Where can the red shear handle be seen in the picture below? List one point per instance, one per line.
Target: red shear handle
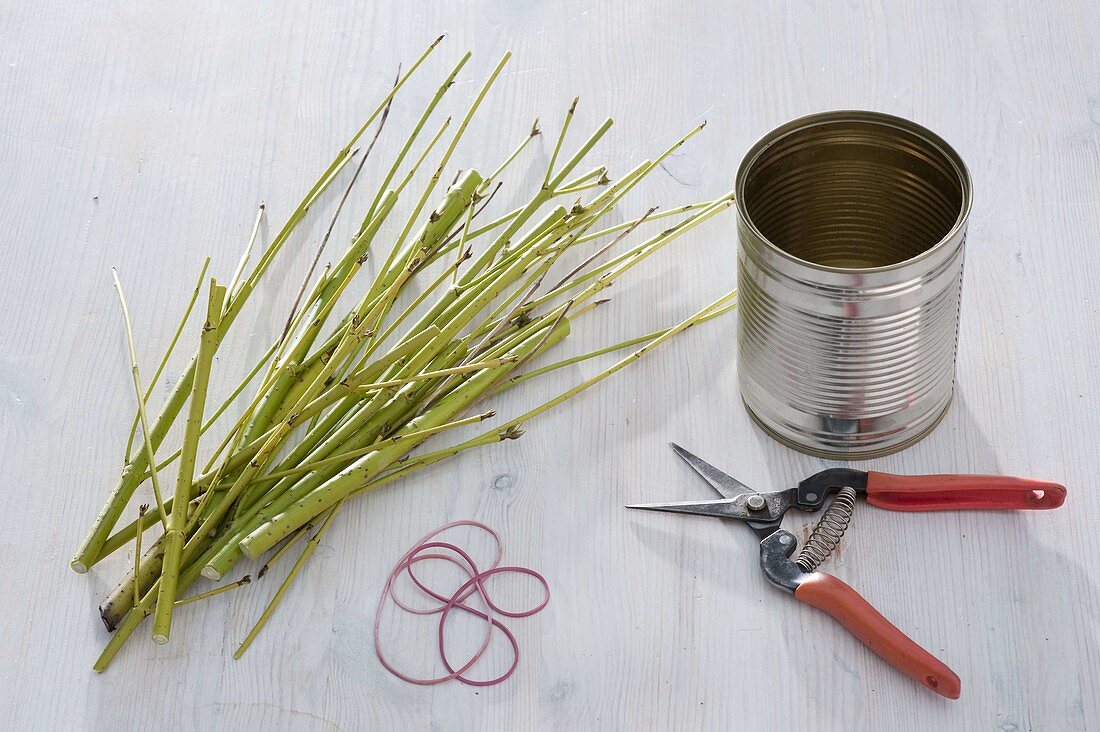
(826, 592)
(955, 492)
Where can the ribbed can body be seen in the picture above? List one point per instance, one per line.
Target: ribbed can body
(851, 237)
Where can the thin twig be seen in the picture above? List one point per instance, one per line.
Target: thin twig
(306, 554)
(216, 591)
(167, 354)
(596, 254)
(599, 174)
(283, 550)
(628, 224)
(324, 242)
(535, 132)
(519, 379)
(137, 551)
(558, 144)
(461, 249)
(135, 373)
(383, 186)
(340, 207)
(231, 288)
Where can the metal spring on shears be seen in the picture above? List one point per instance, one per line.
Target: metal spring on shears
(826, 535)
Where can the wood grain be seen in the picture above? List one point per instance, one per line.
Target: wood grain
(143, 135)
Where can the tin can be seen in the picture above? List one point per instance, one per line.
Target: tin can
(851, 234)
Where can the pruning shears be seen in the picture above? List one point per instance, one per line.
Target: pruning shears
(763, 513)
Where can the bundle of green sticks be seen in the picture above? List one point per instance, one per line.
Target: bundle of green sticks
(454, 312)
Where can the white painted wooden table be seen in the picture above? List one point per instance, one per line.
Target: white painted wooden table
(142, 135)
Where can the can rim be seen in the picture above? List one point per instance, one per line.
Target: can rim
(857, 115)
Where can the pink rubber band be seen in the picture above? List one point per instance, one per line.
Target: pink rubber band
(475, 584)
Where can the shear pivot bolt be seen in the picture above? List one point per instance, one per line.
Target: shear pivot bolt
(756, 503)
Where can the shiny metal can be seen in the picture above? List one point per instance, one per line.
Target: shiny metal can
(851, 234)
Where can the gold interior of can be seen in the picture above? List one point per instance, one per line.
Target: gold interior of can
(853, 194)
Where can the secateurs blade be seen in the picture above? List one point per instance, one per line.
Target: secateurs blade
(763, 512)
